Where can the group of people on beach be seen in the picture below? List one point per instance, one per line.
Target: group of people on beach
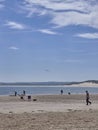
(62, 92)
(24, 93)
(87, 96)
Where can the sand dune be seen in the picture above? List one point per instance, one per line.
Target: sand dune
(84, 85)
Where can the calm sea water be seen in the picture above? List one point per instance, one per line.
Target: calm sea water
(46, 90)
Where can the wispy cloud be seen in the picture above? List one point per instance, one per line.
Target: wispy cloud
(58, 4)
(13, 48)
(15, 25)
(64, 13)
(31, 10)
(88, 35)
(47, 31)
(2, 4)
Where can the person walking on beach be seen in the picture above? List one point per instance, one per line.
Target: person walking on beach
(87, 98)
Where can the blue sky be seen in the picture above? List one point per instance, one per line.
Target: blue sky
(48, 40)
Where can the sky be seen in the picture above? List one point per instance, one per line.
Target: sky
(48, 40)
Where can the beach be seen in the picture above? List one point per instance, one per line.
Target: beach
(48, 112)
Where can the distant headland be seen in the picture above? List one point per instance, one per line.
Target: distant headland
(86, 83)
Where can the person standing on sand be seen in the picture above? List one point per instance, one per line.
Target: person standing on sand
(15, 93)
(24, 92)
(61, 91)
(87, 98)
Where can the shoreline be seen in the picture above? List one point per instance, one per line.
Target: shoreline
(84, 84)
(40, 90)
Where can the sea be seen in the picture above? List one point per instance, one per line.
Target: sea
(45, 90)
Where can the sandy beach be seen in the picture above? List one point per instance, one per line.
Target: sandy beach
(48, 112)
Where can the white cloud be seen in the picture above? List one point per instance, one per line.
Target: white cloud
(13, 48)
(59, 5)
(64, 13)
(75, 18)
(88, 35)
(47, 31)
(15, 25)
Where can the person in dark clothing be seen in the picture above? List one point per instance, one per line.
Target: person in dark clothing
(15, 93)
(69, 93)
(24, 92)
(61, 91)
(87, 98)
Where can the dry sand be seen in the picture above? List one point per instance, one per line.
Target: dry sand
(49, 112)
